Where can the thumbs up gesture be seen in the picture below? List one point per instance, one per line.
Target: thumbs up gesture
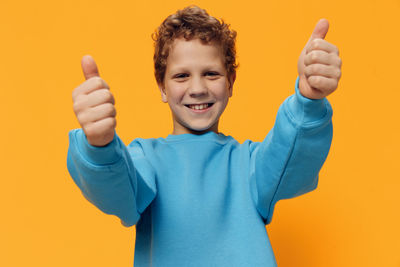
(94, 105)
(319, 64)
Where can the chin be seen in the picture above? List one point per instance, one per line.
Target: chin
(199, 129)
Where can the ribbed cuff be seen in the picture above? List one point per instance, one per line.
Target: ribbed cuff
(104, 155)
(307, 110)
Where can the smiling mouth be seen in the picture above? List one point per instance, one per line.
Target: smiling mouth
(199, 106)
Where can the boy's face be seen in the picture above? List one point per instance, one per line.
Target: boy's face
(196, 86)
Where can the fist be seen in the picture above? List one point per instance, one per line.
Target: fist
(319, 64)
(94, 105)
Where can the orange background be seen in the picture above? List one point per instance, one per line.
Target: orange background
(352, 219)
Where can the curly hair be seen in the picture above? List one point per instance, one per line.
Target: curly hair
(190, 23)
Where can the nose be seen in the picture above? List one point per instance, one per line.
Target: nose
(197, 87)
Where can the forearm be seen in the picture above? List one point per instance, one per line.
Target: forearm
(104, 175)
(288, 161)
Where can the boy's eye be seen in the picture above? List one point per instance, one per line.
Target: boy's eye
(211, 73)
(181, 75)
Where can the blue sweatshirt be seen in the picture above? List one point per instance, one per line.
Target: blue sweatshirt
(204, 200)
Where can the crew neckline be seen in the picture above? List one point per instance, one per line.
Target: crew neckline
(188, 136)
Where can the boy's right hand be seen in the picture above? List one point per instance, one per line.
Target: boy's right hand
(94, 105)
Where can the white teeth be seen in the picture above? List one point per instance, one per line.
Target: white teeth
(198, 107)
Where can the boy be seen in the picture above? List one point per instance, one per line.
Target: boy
(198, 197)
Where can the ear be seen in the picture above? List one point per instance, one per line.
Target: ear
(231, 81)
(163, 94)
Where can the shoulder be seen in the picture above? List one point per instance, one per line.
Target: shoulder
(141, 146)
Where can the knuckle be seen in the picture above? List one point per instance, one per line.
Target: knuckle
(314, 56)
(108, 96)
(335, 85)
(315, 68)
(93, 131)
(109, 108)
(112, 98)
(81, 118)
(305, 61)
(77, 107)
(112, 122)
(102, 95)
(315, 81)
(331, 71)
(336, 49)
(108, 122)
(79, 103)
(97, 82)
(74, 94)
(89, 130)
(310, 80)
(315, 44)
(332, 86)
(339, 62)
(338, 74)
(307, 70)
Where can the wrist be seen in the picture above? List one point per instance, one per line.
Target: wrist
(99, 155)
(305, 109)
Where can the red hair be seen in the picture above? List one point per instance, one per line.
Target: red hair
(190, 23)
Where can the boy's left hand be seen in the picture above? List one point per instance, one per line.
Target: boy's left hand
(319, 64)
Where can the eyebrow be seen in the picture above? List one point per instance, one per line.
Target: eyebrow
(185, 69)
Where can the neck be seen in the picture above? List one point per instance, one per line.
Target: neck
(184, 130)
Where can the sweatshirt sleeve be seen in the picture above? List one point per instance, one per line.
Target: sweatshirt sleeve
(105, 176)
(286, 164)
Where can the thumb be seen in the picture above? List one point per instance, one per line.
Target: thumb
(89, 67)
(320, 30)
